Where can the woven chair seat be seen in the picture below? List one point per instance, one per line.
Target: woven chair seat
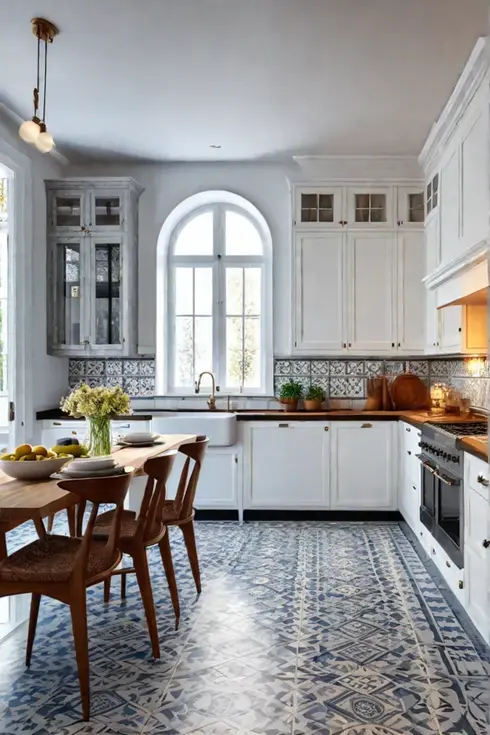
(129, 526)
(53, 560)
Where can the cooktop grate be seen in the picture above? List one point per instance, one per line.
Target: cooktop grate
(471, 428)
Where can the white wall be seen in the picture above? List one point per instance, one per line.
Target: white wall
(166, 185)
(47, 376)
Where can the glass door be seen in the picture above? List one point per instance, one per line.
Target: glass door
(106, 211)
(106, 304)
(69, 210)
(70, 325)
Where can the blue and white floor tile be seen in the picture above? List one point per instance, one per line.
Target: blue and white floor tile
(321, 628)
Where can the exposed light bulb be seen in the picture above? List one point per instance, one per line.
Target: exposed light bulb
(29, 131)
(44, 142)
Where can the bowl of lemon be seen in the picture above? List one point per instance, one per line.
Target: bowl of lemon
(32, 463)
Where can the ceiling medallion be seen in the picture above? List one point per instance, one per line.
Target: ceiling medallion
(34, 131)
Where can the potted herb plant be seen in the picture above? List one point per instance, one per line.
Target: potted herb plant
(290, 394)
(314, 398)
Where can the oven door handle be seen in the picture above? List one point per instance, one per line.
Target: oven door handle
(445, 480)
(425, 465)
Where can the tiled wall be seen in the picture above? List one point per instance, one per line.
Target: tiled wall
(136, 376)
(341, 379)
(347, 378)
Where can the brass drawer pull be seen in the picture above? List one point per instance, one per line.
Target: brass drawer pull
(284, 426)
(367, 426)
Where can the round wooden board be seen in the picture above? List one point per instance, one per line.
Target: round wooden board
(409, 392)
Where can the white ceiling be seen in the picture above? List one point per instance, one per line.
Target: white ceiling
(166, 79)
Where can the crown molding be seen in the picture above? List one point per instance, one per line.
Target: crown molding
(468, 84)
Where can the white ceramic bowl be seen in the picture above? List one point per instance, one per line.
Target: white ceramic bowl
(139, 437)
(33, 471)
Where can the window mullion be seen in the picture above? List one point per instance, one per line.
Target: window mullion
(219, 320)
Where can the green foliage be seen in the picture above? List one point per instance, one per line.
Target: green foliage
(315, 393)
(291, 390)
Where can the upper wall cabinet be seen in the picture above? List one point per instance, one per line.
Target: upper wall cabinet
(410, 209)
(92, 266)
(369, 207)
(350, 207)
(455, 159)
(319, 206)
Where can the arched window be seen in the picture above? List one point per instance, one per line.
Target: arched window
(218, 300)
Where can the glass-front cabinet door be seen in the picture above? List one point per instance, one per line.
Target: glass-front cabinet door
(107, 210)
(105, 307)
(319, 207)
(68, 322)
(369, 207)
(69, 210)
(410, 207)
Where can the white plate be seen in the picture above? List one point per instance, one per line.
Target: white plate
(74, 474)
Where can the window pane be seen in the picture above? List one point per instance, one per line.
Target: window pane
(183, 291)
(242, 238)
(203, 284)
(234, 291)
(3, 200)
(196, 237)
(251, 361)
(252, 291)
(203, 346)
(234, 351)
(184, 352)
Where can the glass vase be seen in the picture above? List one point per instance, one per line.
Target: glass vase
(99, 435)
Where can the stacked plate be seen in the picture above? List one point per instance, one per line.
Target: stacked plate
(92, 467)
(139, 439)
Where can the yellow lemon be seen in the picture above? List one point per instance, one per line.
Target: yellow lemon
(5, 457)
(22, 450)
(40, 450)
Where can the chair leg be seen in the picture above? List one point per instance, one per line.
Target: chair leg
(78, 609)
(50, 523)
(144, 582)
(168, 565)
(123, 586)
(35, 602)
(190, 544)
(107, 589)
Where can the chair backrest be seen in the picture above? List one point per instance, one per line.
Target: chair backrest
(99, 490)
(186, 491)
(150, 514)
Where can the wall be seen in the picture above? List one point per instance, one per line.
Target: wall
(47, 377)
(166, 185)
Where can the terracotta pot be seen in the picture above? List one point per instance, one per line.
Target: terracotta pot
(314, 405)
(290, 404)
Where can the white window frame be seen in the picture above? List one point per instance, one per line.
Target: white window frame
(167, 262)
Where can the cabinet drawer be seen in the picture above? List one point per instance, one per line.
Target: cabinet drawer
(477, 475)
(411, 438)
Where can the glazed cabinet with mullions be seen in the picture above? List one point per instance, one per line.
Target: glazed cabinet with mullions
(92, 266)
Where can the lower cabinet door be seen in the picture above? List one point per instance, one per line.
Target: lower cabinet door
(363, 465)
(477, 592)
(218, 481)
(286, 465)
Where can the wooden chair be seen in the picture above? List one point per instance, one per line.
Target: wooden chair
(137, 533)
(63, 567)
(180, 511)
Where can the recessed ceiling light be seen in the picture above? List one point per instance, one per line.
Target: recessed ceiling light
(215, 146)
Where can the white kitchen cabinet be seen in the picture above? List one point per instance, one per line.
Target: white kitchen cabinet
(411, 292)
(410, 207)
(219, 481)
(92, 266)
(319, 206)
(363, 472)
(369, 207)
(432, 260)
(409, 474)
(286, 465)
(450, 329)
(371, 297)
(319, 292)
(449, 206)
(477, 559)
(474, 173)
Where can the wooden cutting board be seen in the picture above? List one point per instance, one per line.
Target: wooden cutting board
(409, 392)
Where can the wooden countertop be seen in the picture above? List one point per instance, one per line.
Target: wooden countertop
(414, 417)
(477, 447)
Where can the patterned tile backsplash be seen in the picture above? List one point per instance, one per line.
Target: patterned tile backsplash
(347, 378)
(136, 376)
(340, 379)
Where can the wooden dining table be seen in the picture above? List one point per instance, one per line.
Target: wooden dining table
(22, 500)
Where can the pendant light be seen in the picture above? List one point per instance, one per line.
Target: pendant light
(34, 131)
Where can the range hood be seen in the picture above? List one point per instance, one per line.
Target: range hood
(477, 298)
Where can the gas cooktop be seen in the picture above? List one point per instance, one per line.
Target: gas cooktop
(471, 428)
